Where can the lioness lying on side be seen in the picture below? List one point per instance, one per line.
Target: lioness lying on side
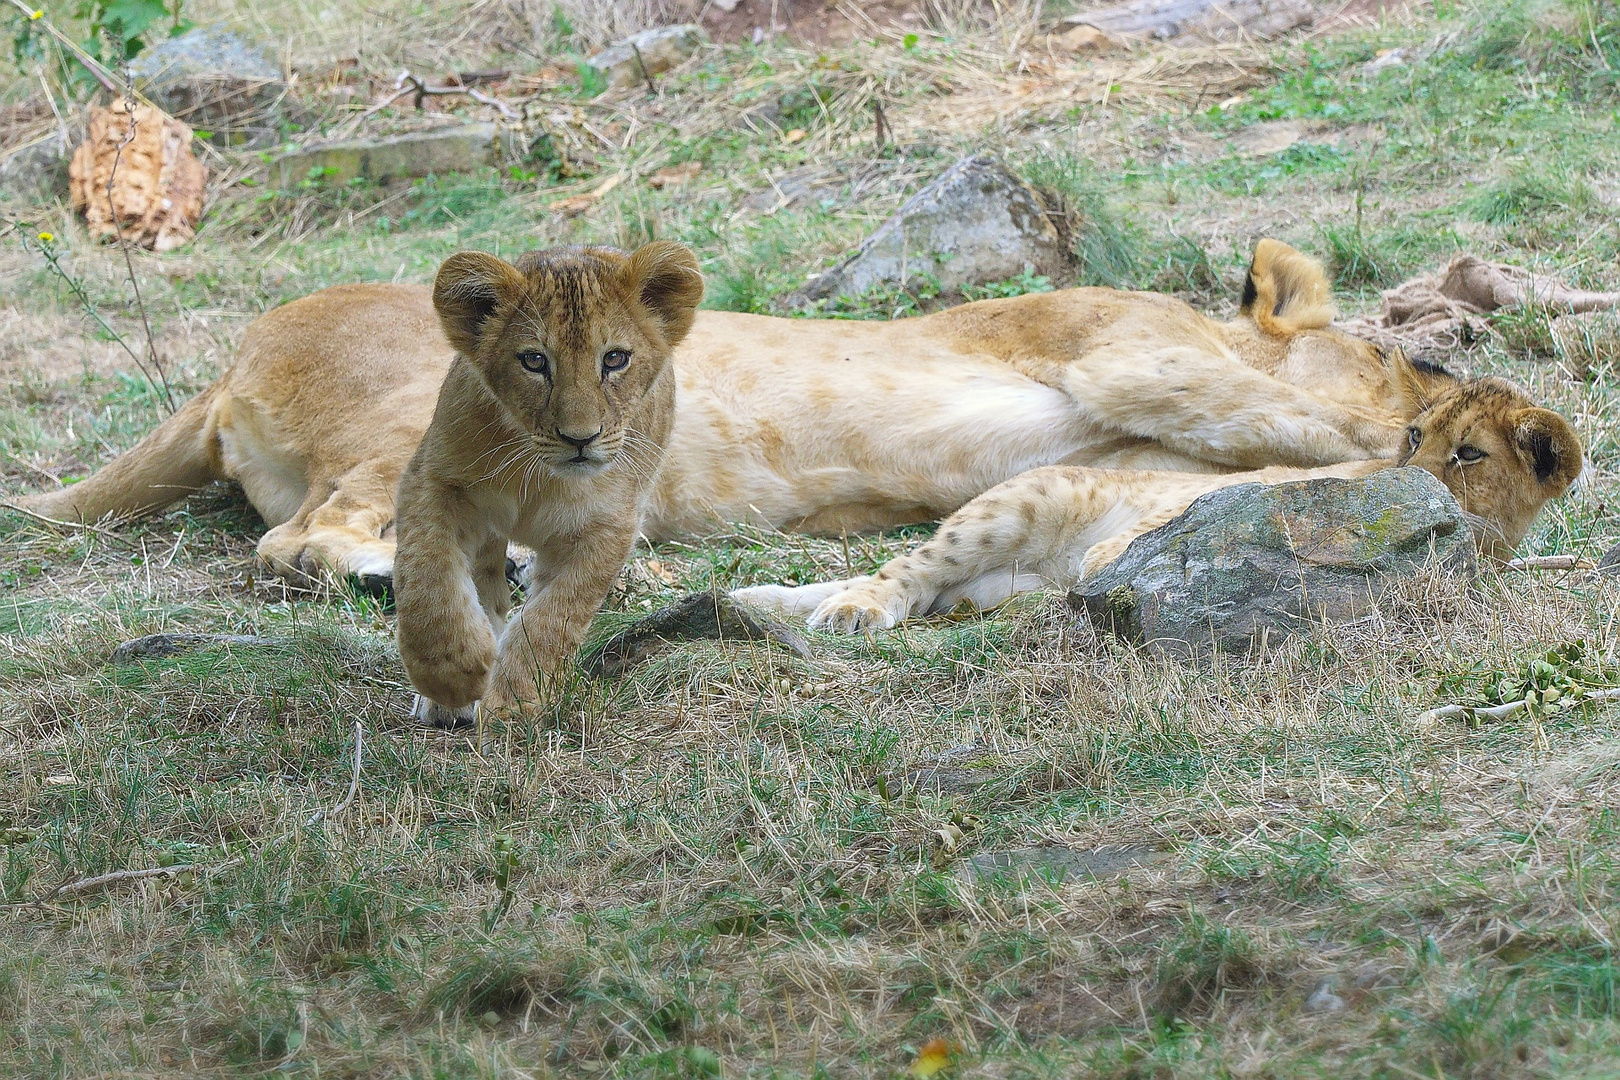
(1502, 458)
(821, 426)
(548, 430)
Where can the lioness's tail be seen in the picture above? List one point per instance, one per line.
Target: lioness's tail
(177, 458)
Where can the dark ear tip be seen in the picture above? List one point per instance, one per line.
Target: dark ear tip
(1555, 450)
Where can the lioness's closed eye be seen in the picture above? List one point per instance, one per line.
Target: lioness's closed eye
(549, 430)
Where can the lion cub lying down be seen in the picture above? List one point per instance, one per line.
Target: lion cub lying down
(549, 430)
(1499, 455)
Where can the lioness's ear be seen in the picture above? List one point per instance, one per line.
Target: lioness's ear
(1549, 446)
(665, 276)
(1285, 292)
(470, 286)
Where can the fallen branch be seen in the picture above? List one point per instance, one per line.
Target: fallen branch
(410, 84)
(80, 526)
(354, 782)
(91, 884)
(1499, 712)
(1549, 562)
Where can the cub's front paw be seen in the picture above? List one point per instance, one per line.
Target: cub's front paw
(853, 612)
(431, 713)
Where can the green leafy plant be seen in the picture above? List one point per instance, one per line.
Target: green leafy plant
(1026, 282)
(1556, 681)
(118, 28)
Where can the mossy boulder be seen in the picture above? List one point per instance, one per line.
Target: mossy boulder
(1258, 563)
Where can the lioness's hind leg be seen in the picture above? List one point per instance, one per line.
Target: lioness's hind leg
(339, 530)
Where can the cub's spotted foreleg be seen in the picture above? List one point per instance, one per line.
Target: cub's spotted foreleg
(1025, 534)
(794, 599)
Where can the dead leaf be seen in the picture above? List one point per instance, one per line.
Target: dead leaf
(794, 136)
(660, 571)
(578, 204)
(933, 1058)
(573, 207)
(58, 781)
(675, 175)
(1083, 38)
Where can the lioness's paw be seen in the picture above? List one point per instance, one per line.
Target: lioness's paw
(852, 612)
(374, 559)
(433, 714)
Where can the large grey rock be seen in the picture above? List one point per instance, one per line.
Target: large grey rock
(1261, 562)
(976, 223)
(418, 153)
(217, 81)
(661, 48)
(1207, 20)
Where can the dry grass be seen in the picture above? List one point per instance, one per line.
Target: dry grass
(727, 860)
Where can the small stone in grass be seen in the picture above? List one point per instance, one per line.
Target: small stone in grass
(1323, 999)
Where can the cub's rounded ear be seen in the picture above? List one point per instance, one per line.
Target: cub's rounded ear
(665, 276)
(1549, 447)
(471, 285)
(1285, 292)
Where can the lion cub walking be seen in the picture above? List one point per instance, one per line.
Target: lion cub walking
(549, 430)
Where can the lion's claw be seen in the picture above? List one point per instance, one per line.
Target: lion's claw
(851, 613)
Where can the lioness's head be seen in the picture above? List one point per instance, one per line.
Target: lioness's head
(570, 339)
(1500, 455)
(1287, 299)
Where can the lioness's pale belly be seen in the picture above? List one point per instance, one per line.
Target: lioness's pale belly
(856, 432)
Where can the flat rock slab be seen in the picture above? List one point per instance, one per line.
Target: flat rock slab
(418, 153)
(1259, 563)
(1059, 864)
(976, 223)
(660, 49)
(963, 770)
(156, 646)
(694, 617)
(1207, 20)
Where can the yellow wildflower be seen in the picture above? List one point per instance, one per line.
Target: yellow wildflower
(46, 237)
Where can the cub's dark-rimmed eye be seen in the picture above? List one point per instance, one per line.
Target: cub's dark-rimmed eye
(615, 360)
(1469, 454)
(537, 362)
(1414, 438)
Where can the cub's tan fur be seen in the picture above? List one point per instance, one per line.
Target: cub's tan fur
(548, 430)
(1500, 456)
(822, 426)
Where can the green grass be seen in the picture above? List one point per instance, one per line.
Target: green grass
(732, 862)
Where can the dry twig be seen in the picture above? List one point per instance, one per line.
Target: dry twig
(1549, 562)
(81, 526)
(129, 264)
(91, 884)
(354, 782)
